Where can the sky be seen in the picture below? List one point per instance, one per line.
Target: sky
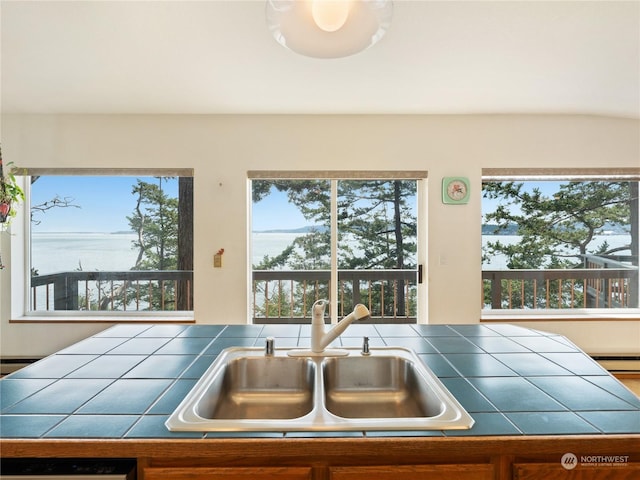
(275, 212)
(104, 202)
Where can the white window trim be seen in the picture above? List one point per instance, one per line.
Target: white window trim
(420, 176)
(569, 174)
(20, 234)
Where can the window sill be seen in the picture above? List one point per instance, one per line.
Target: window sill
(114, 317)
(551, 315)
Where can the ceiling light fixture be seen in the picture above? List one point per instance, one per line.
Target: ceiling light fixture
(328, 28)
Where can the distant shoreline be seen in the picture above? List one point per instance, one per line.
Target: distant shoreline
(83, 233)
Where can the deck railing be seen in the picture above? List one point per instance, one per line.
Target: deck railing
(280, 296)
(148, 290)
(603, 282)
(285, 296)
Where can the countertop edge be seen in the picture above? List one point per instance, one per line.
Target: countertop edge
(319, 447)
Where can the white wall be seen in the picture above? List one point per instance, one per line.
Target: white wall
(222, 148)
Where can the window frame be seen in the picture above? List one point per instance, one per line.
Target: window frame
(559, 174)
(20, 248)
(420, 176)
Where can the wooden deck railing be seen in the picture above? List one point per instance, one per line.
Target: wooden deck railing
(602, 283)
(391, 295)
(285, 296)
(148, 290)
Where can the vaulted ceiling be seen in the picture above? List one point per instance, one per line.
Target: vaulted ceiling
(218, 57)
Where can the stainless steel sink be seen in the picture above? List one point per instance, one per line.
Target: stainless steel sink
(391, 389)
(260, 387)
(378, 387)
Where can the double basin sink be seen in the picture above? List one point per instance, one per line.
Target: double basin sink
(389, 389)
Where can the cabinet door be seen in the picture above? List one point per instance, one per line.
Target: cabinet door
(231, 473)
(555, 471)
(414, 472)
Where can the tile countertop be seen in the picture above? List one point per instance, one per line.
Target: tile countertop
(124, 382)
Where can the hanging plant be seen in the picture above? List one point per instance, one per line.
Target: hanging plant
(10, 193)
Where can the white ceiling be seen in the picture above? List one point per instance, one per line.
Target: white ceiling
(218, 57)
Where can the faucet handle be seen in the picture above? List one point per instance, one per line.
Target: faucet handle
(365, 346)
(269, 347)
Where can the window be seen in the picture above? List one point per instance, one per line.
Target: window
(110, 244)
(560, 242)
(351, 240)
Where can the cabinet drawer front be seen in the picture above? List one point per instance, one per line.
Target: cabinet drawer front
(414, 472)
(231, 473)
(555, 471)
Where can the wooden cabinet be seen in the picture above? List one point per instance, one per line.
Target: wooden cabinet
(414, 472)
(224, 473)
(555, 471)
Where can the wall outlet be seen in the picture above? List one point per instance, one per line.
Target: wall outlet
(217, 260)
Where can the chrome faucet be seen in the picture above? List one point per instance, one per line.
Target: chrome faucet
(320, 339)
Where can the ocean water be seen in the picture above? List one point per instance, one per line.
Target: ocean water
(64, 252)
(58, 252)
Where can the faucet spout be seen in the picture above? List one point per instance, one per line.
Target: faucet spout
(320, 339)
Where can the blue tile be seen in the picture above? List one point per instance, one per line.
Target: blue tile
(550, 423)
(359, 330)
(93, 346)
(339, 434)
(93, 426)
(108, 366)
(417, 344)
(497, 345)
(171, 398)
(161, 366)
(578, 394)
(197, 368)
(220, 343)
(395, 330)
(55, 366)
(63, 396)
(469, 397)
(530, 364)
(479, 365)
(486, 424)
(614, 386)
(27, 426)
(124, 330)
(434, 330)
(184, 346)
(244, 435)
(439, 365)
(152, 426)
(247, 331)
(126, 397)
(12, 390)
(454, 345)
(577, 363)
(164, 331)
(139, 346)
(280, 342)
(515, 394)
(403, 433)
(543, 344)
(356, 342)
(474, 330)
(512, 330)
(614, 421)
(210, 331)
(279, 331)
